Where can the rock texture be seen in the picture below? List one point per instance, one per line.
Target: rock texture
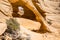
(6, 8)
(29, 24)
(3, 27)
(27, 34)
(49, 20)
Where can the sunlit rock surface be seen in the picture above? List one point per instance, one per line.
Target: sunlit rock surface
(29, 24)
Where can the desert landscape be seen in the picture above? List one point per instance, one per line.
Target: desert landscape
(29, 19)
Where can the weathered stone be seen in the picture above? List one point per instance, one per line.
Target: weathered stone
(3, 28)
(6, 8)
(28, 34)
(29, 24)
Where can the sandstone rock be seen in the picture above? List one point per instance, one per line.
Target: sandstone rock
(29, 24)
(13, 1)
(3, 27)
(6, 8)
(37, 36)
(32, 35)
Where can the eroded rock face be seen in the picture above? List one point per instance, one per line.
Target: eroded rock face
(6, 8)
(27, 34)
(3, 27)
(29, 24)
(52, 9)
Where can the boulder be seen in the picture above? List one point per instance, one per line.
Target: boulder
(3, 27)
(29, 24)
